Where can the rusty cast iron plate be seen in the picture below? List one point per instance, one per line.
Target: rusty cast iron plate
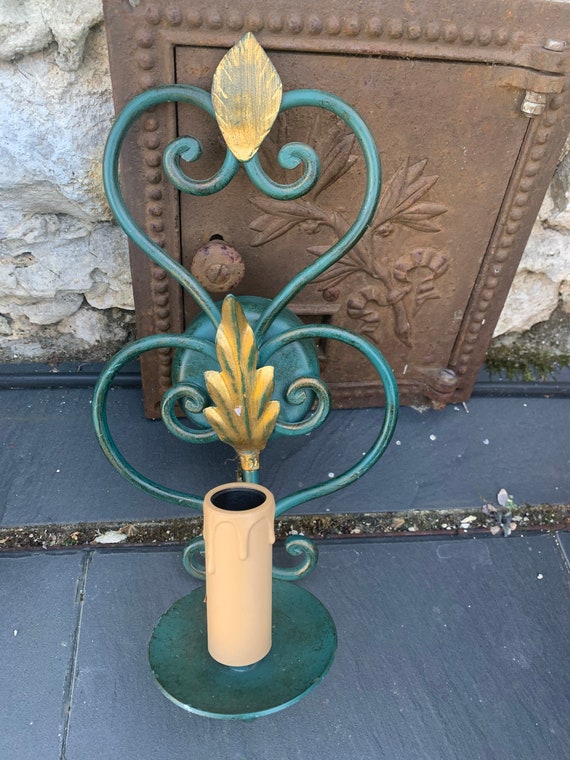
(467, 104)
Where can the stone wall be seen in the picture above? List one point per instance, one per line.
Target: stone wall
(65, 290)
(536, 315)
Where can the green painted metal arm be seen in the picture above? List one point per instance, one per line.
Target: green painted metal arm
(185, 147)
(300, 98)
(390, 413)
(99, 414)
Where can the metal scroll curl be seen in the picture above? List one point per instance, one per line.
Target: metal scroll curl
(390, 412)
(125, 120)
(194, 400)
(297, 394)
(100, 422)
(298, 546)
(193, 558)
(189, 149)
(290, 157)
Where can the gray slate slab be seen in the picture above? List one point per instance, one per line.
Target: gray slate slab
(448, 650)
(39, 613)
(52, 470)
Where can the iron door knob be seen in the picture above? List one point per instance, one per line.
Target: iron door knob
(217, 266)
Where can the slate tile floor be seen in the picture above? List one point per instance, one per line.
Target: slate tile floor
(449, 649)
(52, 470)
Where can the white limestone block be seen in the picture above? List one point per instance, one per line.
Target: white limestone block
(533, 298)
(27, 26)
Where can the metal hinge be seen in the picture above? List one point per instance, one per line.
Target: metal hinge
(535, 97)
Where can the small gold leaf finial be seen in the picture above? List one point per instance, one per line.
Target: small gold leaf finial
(243, 414)
(246, 96)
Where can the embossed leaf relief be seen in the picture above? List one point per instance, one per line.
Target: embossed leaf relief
(403, 284)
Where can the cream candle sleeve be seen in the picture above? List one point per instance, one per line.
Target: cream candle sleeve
(238, 535)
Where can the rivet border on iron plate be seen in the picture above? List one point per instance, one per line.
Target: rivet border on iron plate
(151, 143)
(501, 247)
(312, 24)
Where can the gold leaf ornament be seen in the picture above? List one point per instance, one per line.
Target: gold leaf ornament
(246, 96)
(243, 414)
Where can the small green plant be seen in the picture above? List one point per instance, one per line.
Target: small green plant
(501, 516)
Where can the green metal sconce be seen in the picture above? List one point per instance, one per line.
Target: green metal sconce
(243, 371)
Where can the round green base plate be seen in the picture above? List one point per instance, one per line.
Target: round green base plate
(303, 648)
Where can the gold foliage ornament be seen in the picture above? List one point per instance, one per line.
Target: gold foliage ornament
(246, 96)
(243, 414)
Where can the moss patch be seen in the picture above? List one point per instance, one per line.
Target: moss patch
(518, 362)
(536, 355)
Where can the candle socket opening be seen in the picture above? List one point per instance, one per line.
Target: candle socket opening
(237, 499)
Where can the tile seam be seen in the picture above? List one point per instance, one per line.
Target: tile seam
(562, 553)
(69, 686)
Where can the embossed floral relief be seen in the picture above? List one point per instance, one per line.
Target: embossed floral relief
(402, 283)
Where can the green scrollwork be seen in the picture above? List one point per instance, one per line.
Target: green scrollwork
(100, 422)
(306, 400)
(290, 157)
(194, 400)
(295, 546)
(189, 149)
(297, 394)
(125, 120)
(298, 546)
(193, 558)
(303, 98)
(390, 412)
